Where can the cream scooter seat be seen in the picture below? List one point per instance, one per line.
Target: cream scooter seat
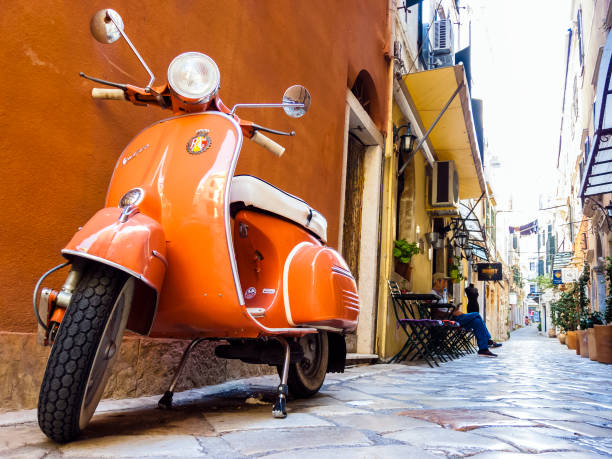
(255, 192)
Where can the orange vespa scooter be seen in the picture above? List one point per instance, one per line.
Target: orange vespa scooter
(185, 249)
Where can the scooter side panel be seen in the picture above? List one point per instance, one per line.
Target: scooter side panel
(320, 289)
(263, 242)
(132, 245)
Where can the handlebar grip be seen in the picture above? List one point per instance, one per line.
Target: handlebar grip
(268, 144)
(104, 93)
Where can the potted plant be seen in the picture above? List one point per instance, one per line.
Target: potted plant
(565, 315)
(582, 347)
(556, 319)
(454, 272)
(403, 251)
(595, 318)
(603, 333)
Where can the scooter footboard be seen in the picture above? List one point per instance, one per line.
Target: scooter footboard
(319, 289)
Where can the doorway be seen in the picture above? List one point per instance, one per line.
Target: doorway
(360, 215)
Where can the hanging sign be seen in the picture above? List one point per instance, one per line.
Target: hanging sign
(557, 278)
(489, 271)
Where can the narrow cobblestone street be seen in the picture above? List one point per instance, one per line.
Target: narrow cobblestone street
(538, 397)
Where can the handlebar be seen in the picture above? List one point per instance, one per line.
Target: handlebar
(104, 93)
(140, 97)
(268, 143)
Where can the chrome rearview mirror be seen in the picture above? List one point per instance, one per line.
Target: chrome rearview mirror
(105, 25)
(296, 101)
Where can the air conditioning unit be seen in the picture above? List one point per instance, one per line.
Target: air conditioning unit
(445, 184)
(443, 37)
(441, 60)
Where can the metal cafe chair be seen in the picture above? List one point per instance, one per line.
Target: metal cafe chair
(421, 333)
(456, 340)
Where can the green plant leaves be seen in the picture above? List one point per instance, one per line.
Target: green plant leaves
(405, 250)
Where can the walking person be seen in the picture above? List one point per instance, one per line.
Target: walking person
(471, 320)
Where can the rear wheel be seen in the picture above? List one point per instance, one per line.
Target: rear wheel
(306, 377)
(84, 350)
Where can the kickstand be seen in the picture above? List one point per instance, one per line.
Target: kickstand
(280, 407)
(166, 401)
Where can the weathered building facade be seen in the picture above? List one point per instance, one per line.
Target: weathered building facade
(582, 221)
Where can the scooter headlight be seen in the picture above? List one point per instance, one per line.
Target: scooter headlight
(194, 77)
(131, 198)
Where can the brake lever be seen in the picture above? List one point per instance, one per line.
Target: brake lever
(107, 83)
(256, 127)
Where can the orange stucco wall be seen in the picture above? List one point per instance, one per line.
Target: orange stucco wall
(58, 146)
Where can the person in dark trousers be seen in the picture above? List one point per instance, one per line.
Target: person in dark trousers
(471, 320)
(472, 295)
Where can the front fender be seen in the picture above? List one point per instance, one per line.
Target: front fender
(137, 246)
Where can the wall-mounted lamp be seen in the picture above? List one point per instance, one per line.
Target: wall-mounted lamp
(432, 237)
(468, 252)
(461, 238)
(405, 141)
(607, 211)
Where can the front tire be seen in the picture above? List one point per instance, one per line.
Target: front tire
(84, 350)
(306, 377)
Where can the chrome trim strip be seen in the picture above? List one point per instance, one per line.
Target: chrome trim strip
(257, 312)
(228, 223)
(328, 328)
(352, 309)
(352, 303)
(350, 294)
(280, 331)
(342, 271)
(286, 280)
(156, 254)
(121, 268)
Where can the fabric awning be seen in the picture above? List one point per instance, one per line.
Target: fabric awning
(597, 173)
(454, 137)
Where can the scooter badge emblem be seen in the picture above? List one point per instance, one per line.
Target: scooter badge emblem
(199, 143)
(250, 293)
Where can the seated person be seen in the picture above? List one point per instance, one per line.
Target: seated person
(471, 320)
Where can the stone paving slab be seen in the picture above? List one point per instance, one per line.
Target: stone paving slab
(598, 414)
(381, 423)
(548, 414)
(370, 452)
(601, 445)
(532, 440)
(449, 442)
(253, 442)
(331, 410)
(580, 428)
(466, 420)
(257, 419)
(135, 446)
(553, 455)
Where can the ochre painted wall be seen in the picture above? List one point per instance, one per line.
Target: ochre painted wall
(59, 146)
(391, 337)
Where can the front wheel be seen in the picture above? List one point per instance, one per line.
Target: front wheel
(306, 377)
(84, 350)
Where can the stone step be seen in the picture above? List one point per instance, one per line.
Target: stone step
(359, 359)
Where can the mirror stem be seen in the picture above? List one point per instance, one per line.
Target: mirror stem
(144, 64)
(257, 127)
(264, 106)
